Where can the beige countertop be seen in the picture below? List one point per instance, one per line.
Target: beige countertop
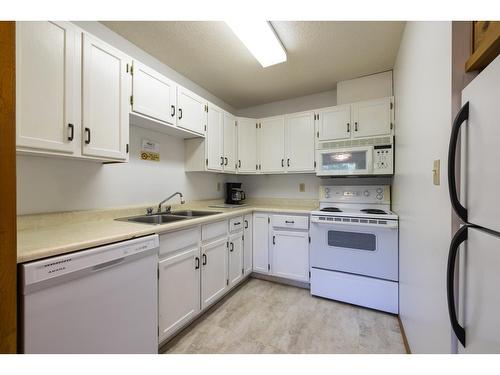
(43, 235)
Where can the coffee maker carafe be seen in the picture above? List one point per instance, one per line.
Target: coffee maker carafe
(234, 194)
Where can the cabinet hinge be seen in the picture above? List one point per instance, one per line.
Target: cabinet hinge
(131, 99)
(391, 105)
(127, 67)
(269, 267)
(207, 108)
(260, 125)
(127, 148)
(256, 125)
(309, 274)
(158, 273)
(205, 128)
(314, 164)
(206, 162)
(132, 69)
(243, 238)
(268, 220)
(242, 271)
(309, 239)
(317, 116)
(260, 167)
(317, 134)
(227, 245)
(392, 125)
(227, 281)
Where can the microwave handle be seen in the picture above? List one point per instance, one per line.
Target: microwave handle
(369, 159)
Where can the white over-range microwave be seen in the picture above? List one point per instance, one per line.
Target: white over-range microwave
(356, 160)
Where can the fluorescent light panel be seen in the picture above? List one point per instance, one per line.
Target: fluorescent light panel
(261, 40)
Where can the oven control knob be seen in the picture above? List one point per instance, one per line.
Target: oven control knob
(379, 196)
(366, 193)
(379, 190)
(327, 190)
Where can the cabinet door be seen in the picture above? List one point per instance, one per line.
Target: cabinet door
(247, 244)
(290, 255)
(247, 145)
(299, 150)
(229, 142)
(106, 100)
(272, 145)
(334, 123)
(261, 243)
(215, 138)
(372, 118)
(47, 73)
(214, 279)
(236, 269)
(191, 111)
(178, 290)
(153, 94)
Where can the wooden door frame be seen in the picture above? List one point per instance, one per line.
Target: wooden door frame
(8, 246)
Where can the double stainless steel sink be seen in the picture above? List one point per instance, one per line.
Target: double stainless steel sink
(167, 217)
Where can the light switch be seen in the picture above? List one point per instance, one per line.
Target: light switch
(302, 187)
(436, 172)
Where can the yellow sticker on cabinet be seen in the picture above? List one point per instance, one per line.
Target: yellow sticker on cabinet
(150, 150)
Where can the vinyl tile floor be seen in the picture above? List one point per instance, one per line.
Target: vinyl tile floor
(267, 317)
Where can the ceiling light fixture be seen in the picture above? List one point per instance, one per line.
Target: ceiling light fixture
(261, 40)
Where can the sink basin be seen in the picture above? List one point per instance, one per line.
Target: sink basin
(191, 213)
(153, 219)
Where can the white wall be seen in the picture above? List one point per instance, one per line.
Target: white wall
(54, 184)
(422, 88)
(298, 104)
(368, 87)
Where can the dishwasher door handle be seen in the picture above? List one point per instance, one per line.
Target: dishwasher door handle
(106, 265)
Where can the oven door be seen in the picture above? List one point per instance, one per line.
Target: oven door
(348, 161)
(370, 250)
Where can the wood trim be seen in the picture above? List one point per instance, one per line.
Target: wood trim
(8, 248)
(405, 339)
(488, 49)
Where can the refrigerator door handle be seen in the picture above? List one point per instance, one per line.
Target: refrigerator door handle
(461, 117)
(457, 240)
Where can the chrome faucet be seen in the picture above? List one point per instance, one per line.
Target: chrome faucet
(166, 199)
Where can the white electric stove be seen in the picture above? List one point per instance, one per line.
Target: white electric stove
(354, 247)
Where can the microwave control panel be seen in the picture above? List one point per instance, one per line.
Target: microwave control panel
(383, 160)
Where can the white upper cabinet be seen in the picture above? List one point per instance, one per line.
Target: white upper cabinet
(191, 111)
(215, 138)
(229, 142)
(247, 145)
(334, 123)
(272, 144)
(372, 118)
(106, 88)
(153, 94)
(299, 142)
(47, 82)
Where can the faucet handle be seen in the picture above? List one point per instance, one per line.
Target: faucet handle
(149, 211)
(168, 209)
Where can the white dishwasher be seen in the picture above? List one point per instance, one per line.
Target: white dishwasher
(101, 300)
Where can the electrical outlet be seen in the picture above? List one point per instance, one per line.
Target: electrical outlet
(302, 187)
(218, 186)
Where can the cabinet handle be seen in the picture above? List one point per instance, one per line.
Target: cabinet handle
(197, 262)
(274, 240)
(231, 247)
(180, 113)
(173, 110)
(72, 132)
(288, 162)
(348, 128)
(221, 160)
(239, 163)
(225, 163)
(87, 131)
(237, 223)
(246, 224)
(282, 162)
(204, 259)
(289, 221)
(355, 126)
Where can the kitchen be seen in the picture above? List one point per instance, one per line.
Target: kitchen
(167, 206)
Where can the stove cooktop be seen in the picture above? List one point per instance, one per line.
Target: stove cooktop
(331, 209)
(375, 211)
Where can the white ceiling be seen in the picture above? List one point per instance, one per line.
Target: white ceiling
(319, 55)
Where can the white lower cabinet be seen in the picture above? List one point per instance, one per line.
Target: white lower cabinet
(214, 271)
(236, 268)
(179, 281)
(260, 242)
(247, 244)
(290, 254)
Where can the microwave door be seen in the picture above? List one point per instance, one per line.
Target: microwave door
(479, 125)
(354, 161)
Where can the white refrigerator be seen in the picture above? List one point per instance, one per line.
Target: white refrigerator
(473, 274)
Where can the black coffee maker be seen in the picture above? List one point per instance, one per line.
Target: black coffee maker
(234, 194)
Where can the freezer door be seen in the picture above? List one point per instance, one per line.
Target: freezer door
(481, 149)
(479, 297)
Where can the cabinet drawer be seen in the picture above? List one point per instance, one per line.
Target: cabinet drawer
(235, 224)
(170, 242)
(289, 221)
(213, 230)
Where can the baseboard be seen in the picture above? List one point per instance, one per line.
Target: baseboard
(405, 339)
(281, 280)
